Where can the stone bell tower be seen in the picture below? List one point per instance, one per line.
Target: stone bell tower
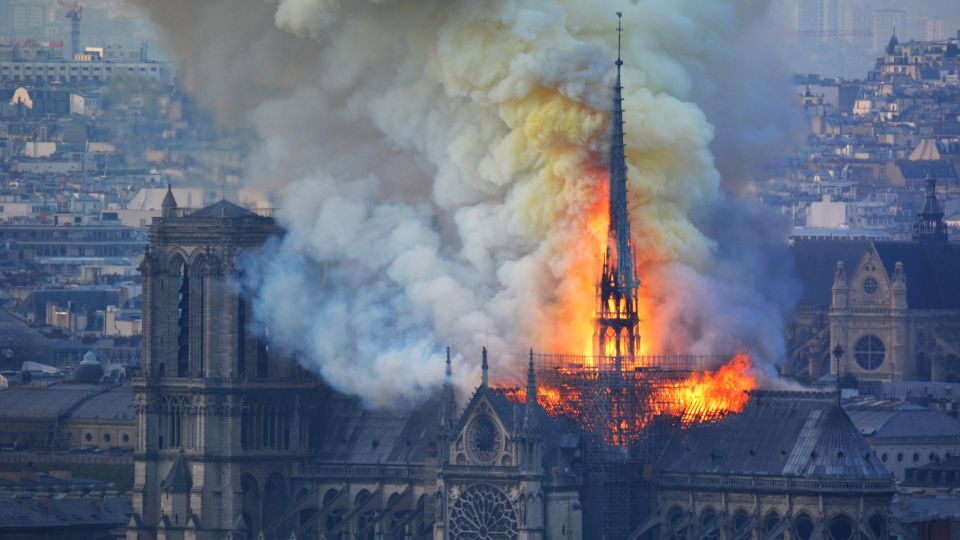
(220, 418)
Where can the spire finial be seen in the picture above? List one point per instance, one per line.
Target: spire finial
(619, 38)
(531, 382)
(449, 370)
(485, 368)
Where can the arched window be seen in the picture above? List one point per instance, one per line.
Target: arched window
(841, 528)
(674, 518)
(803, 526)
(708, 526)
(241, 335)
(741, 520)
(878, 525)
(201, 292)
(770, 524)
(274, 504)
(263, 353)
(183, 322)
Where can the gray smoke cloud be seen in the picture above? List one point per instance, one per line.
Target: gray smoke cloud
(439, 165)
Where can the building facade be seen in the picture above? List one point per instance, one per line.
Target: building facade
(880, 310)
(233, 441)
(792, 465)
(221, 422)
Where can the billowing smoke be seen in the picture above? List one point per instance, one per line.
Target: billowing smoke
(441, 170)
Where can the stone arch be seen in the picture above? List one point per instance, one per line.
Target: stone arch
(706, 524)
(250, 500)
(878, 525)
(334, 516)
(394, 528)
(841, 527)
(365, 517)
(274, 501)
(803, 526)
(176, 259)
(675, 516)
(741, 519)
(770, 522)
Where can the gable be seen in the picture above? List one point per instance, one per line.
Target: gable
(869, 283)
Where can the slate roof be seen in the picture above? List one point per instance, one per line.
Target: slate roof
(26, 343)
(49, 402)
(178, 479)
(19, 513)
(883, 419)
(115, 404)
(802, 434)
(351, 433)
(931, 269)
(224, 209)
(919, 170)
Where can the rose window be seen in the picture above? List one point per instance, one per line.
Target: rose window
(483, 512)
(484, 440)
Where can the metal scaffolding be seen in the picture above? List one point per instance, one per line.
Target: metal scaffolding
(625, 409)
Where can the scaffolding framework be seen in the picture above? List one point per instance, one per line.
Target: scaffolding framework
(627, 412)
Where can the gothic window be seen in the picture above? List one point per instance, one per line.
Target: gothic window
(870, 286)
(263, 353)
(201, 309)
(484, 440)
(274, 502)
(245, 428)
(740, 520)
(841, 528)
(483, 512)
(708, 528)
(770, 524)
(183, 322)
(869, 352)
(674, 517)
(241, 335)
(803, 526)
(878, 525)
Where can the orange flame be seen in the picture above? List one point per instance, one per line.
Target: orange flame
(708, 395)
(700, 397)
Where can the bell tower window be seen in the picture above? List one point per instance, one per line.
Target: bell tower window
(183, 322)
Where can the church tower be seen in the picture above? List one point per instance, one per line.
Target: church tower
(616, 331)
(220, 417)
(930, 225)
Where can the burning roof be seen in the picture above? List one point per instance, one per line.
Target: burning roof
(778, 434)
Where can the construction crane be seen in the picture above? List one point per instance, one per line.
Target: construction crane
(74, 11)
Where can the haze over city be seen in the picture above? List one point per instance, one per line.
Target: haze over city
(502, 270)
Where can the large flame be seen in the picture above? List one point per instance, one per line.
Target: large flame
(697, 398)
(708, 395)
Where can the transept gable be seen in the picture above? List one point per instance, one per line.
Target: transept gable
(869, 283)
(484, 432)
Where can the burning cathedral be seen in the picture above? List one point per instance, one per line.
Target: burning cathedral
(237, 442)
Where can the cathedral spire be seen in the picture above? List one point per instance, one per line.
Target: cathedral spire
(619, 235)
(485, 370)
(449, 402)
(617, 321)
(530, 403)
(531, 383)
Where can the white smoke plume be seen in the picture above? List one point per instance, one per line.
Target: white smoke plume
(439, 165)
